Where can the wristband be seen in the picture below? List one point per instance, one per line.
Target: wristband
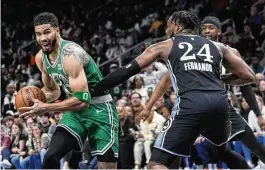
(83, 96)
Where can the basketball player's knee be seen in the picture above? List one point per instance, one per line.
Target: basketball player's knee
(108, 156)
(160, 158)
(220, 151)
(50, 158)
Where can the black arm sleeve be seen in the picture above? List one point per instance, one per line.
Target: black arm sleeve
(117, 77)
(249, 95)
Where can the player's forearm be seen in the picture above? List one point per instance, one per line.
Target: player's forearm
(71, 104)
(51, 95)
(117, 77)
(160, 89)
(249, 95)
(233, 79)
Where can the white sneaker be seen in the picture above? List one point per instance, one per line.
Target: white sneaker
(261, 164)
(250, 164)
(5, 164)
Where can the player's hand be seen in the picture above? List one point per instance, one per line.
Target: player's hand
(199, 140)
(37, 109)
(261, 122)
(143, 115)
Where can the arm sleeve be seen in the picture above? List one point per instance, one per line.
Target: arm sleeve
(249, 95)
(117, 77)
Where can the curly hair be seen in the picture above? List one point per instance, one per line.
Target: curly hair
(188, 20)
(46, 18)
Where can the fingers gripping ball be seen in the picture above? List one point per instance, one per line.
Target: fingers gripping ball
(23, 97)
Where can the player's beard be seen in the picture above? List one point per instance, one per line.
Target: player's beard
(52, 45)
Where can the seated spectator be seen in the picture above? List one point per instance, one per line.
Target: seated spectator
(138, 86)
(262, 89)
(146, 136)
(9, 121)
(18, 142)
(126, 140)
(137, 107)
(9, 100)
(48, 127)
(57, 116)
(38, 144)
(4, 149)
(161, 108)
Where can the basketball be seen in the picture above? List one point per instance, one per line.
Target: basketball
(23, 96)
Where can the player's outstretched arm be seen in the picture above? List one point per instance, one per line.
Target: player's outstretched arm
(237, 66)
(158, 50)
(51, 89)
(160, 89)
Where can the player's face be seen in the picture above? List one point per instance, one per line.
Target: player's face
(46, 36)
(170, 28)
(210, 31)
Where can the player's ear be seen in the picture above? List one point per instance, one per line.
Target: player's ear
(177, 29)
(219, 32)
(57, 30)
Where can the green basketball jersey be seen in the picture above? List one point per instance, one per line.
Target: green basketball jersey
(56, 70)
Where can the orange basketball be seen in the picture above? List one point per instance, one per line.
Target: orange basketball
(23, 96)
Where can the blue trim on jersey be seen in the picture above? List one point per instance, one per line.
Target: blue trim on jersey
(175, 109)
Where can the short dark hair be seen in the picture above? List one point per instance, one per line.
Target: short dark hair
(140, 96)
(187, 19)
(46, 18)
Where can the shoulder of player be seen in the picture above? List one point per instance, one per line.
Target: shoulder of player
(38, 60)
(38, 56)
(74, 52)
(162, 47)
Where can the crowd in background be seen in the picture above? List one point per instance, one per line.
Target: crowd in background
(106, 29)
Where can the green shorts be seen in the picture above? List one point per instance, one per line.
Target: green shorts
(99, 122)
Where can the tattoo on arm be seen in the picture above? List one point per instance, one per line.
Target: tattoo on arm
(77, 52)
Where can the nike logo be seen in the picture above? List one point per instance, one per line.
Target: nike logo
(98, 111)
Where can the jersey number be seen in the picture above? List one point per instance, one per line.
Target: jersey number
(204, 51)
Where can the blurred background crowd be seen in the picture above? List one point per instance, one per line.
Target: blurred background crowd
(108, 29)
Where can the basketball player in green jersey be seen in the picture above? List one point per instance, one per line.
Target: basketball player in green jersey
(66, 64)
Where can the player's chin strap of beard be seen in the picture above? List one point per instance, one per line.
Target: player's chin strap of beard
(115, 78)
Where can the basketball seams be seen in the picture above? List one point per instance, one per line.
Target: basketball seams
(22, 96)
(35, 97)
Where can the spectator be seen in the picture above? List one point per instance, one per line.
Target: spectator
(4, 150)
(18, 149)
(161, 109)
(48, 127)
(146, 136)
(9, 121)
(9, 100)
(38, 144)
(138, 86)
(262, 89)
(126, 140)
(137, 107)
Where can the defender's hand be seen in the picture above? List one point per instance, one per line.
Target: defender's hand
(143, 115)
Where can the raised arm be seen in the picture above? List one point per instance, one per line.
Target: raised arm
(51, 88)
(158, 50)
